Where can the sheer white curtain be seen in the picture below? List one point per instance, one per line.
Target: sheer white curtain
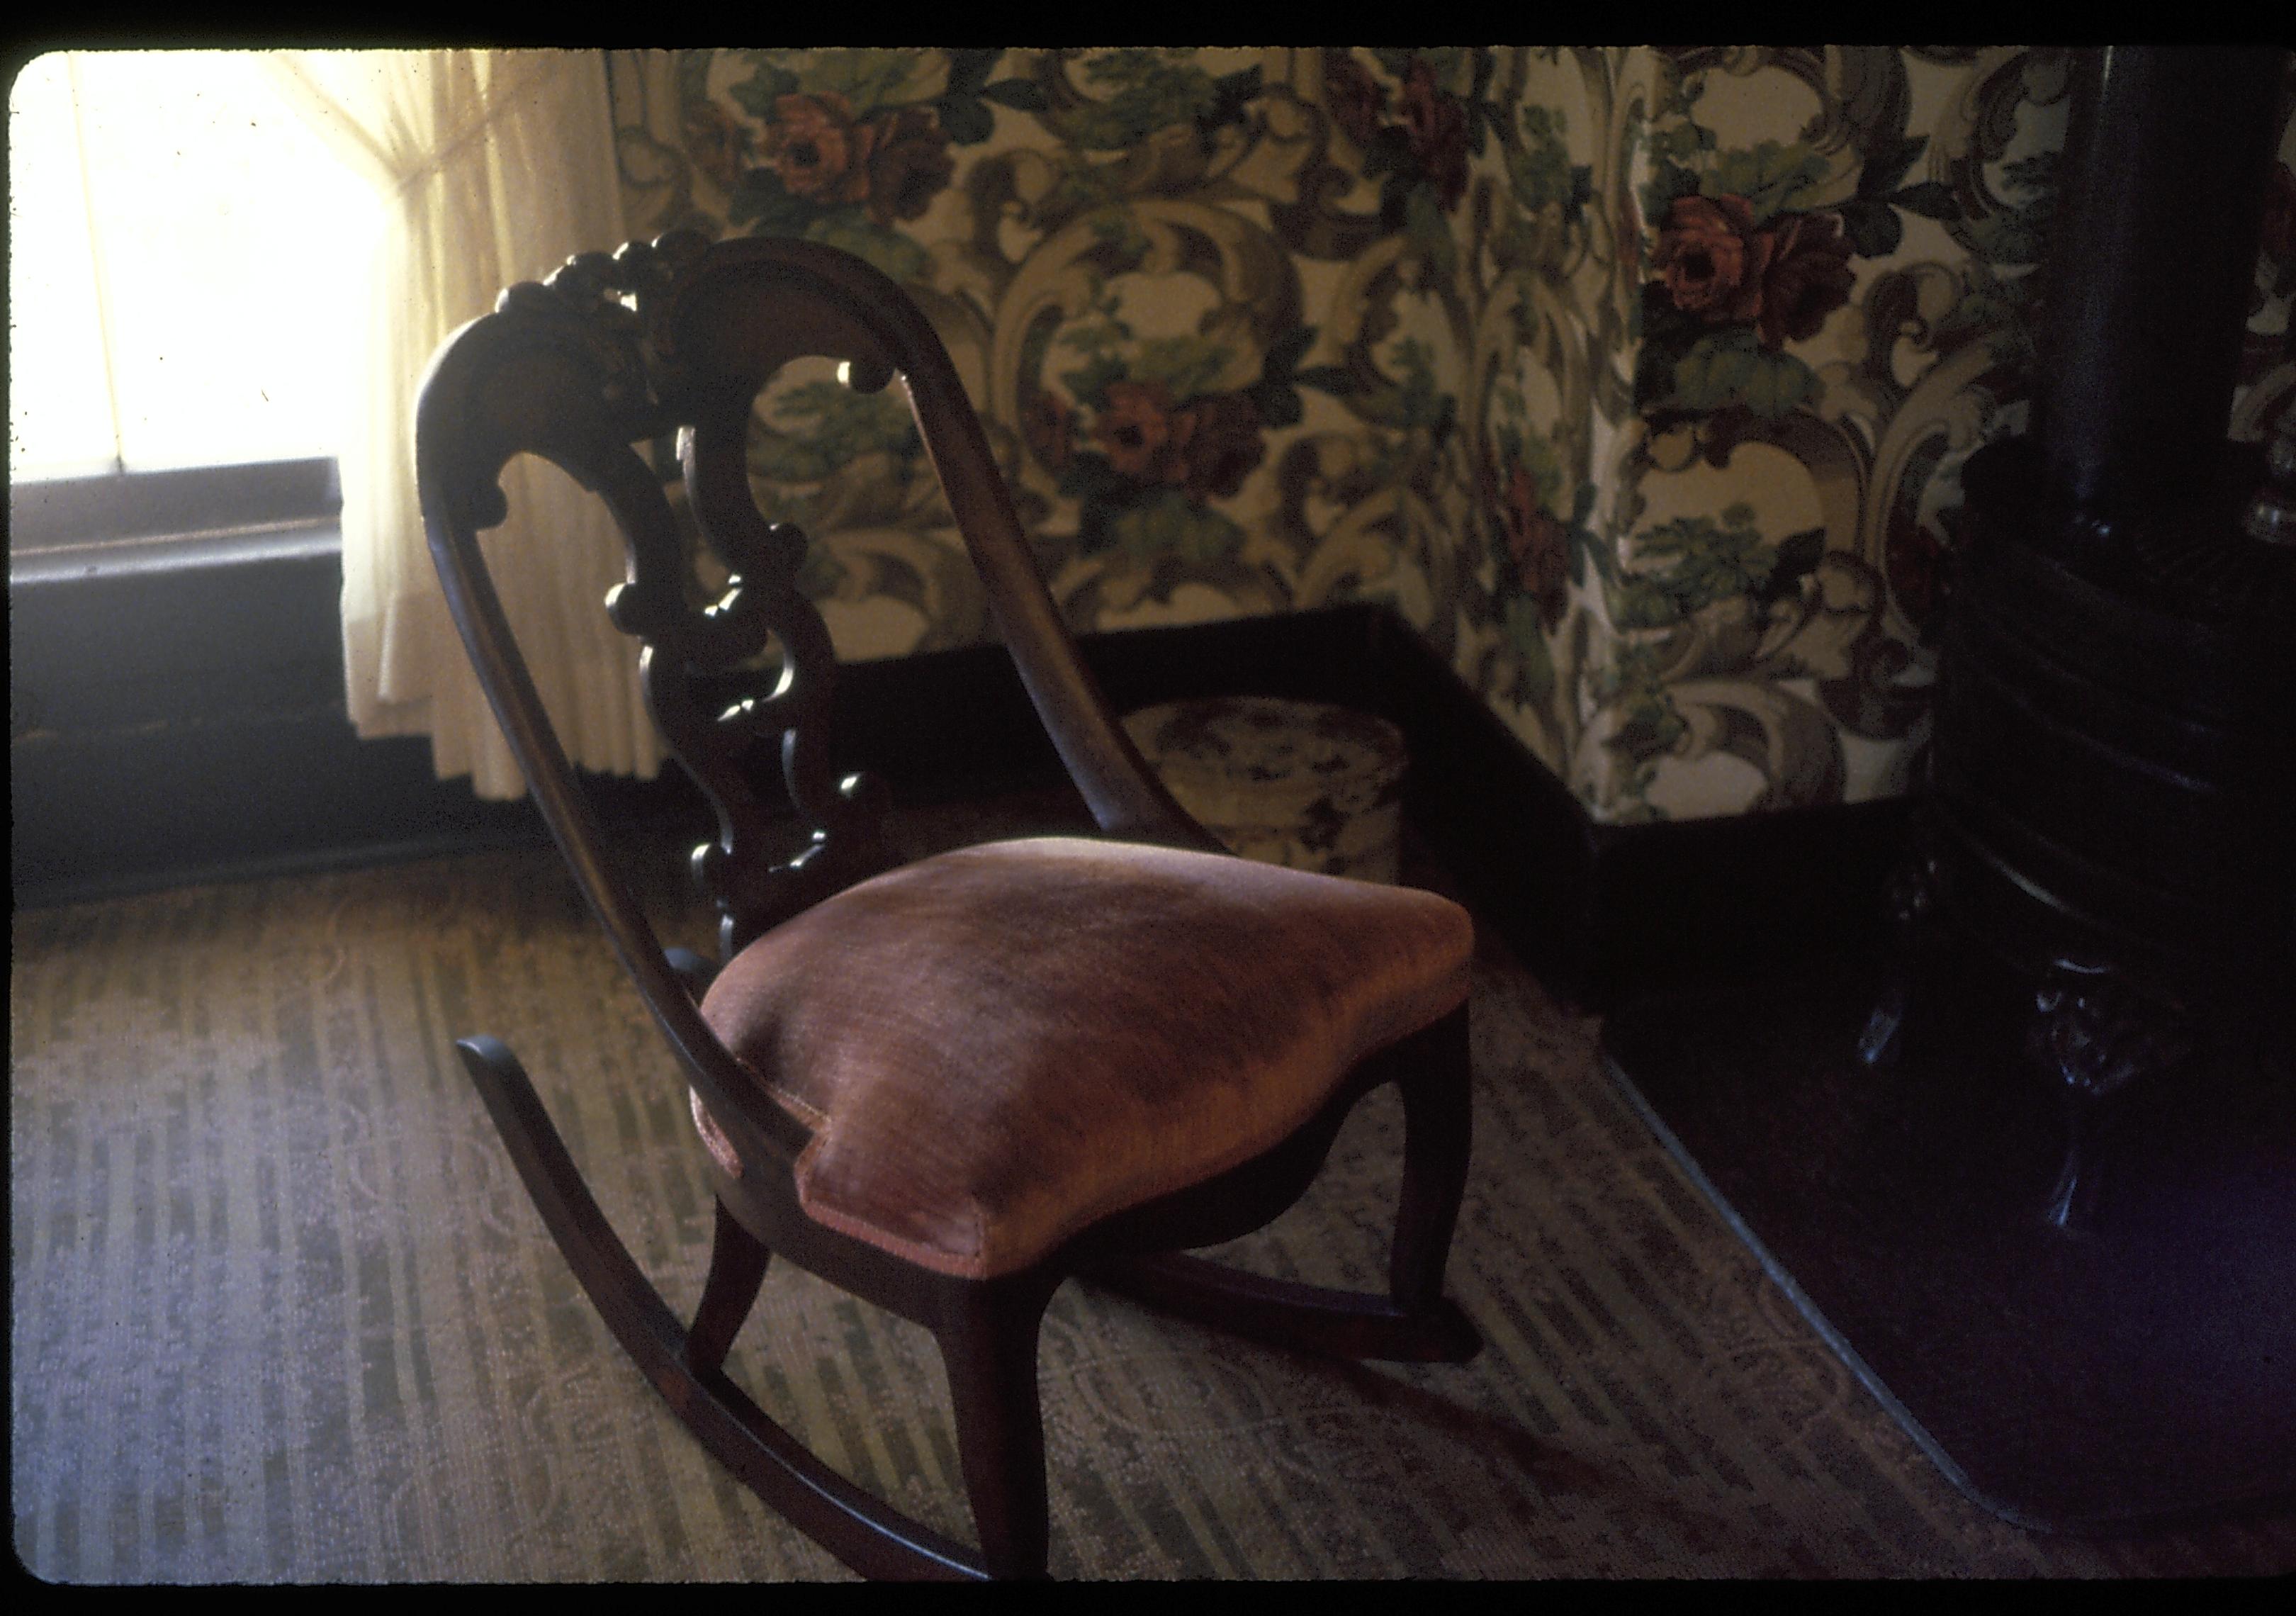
(496, 165)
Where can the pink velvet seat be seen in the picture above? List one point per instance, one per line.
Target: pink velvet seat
(998, 1047)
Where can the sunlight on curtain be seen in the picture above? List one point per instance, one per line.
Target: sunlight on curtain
(496, 165)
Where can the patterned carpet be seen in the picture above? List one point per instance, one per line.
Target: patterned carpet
(282, 1313)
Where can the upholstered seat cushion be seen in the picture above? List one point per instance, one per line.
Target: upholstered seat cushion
(999, 1045)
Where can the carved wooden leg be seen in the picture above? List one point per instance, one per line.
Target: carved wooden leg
(737, 1268)
(990, 1353)
(865, 1532)
(1438, 1128)
(1910, 907)
(2094, 1036)
(1414, 1322)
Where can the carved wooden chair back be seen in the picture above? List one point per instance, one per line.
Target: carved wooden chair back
(678, 338)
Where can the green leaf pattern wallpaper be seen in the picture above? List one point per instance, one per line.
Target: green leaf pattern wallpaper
(1637, 379)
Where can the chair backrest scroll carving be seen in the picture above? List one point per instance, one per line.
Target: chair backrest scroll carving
(680, 336)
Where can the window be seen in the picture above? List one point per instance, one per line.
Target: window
(186, 292)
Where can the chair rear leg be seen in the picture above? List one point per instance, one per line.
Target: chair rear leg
(989, 1351)
(1438, 1127)
(1414, 1322)
(737, 1269)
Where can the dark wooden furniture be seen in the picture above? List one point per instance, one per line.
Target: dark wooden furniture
(678, 337)
(2030, 1163)
(2110, 779)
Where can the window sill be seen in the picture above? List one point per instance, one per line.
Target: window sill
(174, 554)
(177, 715)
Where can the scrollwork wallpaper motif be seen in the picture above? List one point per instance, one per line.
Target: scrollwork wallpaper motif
(1637, 379)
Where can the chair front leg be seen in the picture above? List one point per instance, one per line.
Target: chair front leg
(990, 1350)
(737, 1269)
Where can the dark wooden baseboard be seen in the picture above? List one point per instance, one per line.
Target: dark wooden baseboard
(1602, 910)
(1599, 910)
(245, 782)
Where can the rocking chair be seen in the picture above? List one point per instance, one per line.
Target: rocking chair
(1102, 1052)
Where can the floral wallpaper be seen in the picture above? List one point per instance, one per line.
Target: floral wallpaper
(1637, 379)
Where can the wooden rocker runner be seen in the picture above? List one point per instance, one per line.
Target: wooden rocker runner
(949, 1086)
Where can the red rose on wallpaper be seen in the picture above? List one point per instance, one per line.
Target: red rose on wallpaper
(908, 165)
(1711, 257)
(1807, 278)
(718, 142)
(1207, 447)
(1221, 446)
(1539, 544)
(1135, 428)
(1353, 95)
(1438, 127)
(897, 163)
(1785, 278)
(817, 150)
(2279, 241)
